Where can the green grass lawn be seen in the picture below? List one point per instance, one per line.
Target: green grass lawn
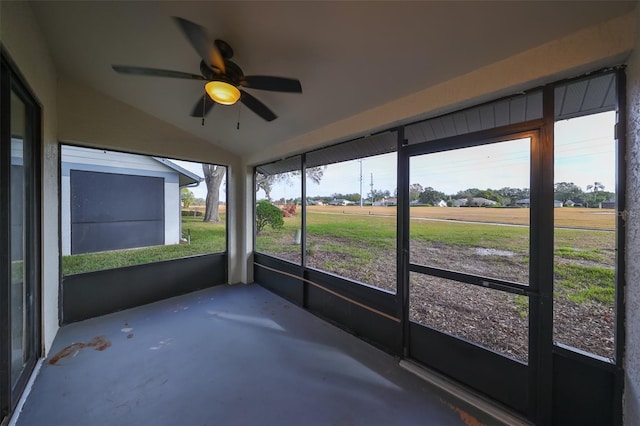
(583, 272)
(279, 241)
(205, 238)
(584, 269)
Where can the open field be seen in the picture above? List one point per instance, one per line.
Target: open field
(564, 216)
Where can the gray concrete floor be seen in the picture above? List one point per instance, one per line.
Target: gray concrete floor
(236, 355)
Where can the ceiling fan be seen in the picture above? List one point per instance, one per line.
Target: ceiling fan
(225, 80)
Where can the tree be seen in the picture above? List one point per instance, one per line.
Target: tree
(186, 197)
(467, 193)
(378, 194)
(597, 186)
(489, 194)
(564, 191)
(430, 196)
(414, 191)
(266, 182)
(509, 196)
(355, 197)
(213, 176)
(268, 214)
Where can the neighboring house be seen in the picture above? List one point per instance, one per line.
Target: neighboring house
(113, 200)
(526, 202)
(441, 203)
(390, 201)
(609, 204)
(387, 201)
(340, 202)
(569, 203)
(475, 202)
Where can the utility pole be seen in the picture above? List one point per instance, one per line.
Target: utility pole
(372, 188)
(361, 183)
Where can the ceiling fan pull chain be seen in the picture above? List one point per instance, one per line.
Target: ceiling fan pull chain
(238, 124)
(204, 100)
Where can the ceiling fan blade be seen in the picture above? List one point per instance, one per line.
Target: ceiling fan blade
(198, 109)
(154, 72)
(201, 42)
(277, 84)
(256, 106)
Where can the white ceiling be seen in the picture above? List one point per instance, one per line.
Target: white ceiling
(349, 56)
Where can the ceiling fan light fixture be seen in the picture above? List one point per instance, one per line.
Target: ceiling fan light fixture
(222, 92)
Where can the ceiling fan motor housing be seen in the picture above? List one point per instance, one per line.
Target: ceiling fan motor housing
(232, 75)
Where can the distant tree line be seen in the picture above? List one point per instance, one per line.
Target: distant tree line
(507, 196)
(567, 192)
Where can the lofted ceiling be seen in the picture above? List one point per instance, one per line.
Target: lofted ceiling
(349, 56)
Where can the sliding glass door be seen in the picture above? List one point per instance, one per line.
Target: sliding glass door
(19, 237)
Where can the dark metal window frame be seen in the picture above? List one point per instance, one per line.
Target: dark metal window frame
(502, 134)
(11, 80)
(379, 150)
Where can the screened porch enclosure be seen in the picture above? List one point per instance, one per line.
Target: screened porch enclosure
(474, 261)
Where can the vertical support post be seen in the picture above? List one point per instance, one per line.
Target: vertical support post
(541, 267)
(621, 206)
(303, 236)
(402, 242)
(361, 183)
(5, 274)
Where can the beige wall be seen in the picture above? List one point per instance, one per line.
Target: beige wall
(21, 37)
(632, 294)
(93, 118)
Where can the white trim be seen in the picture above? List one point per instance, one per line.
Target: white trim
(25, 393)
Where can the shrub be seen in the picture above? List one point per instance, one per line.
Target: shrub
(289, 210)
(268, 214)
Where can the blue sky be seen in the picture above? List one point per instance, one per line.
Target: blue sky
(584, 153)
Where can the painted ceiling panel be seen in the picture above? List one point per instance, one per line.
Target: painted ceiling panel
(351, 57)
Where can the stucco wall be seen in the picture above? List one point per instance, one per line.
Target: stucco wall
(632, 295)
(21, 37)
